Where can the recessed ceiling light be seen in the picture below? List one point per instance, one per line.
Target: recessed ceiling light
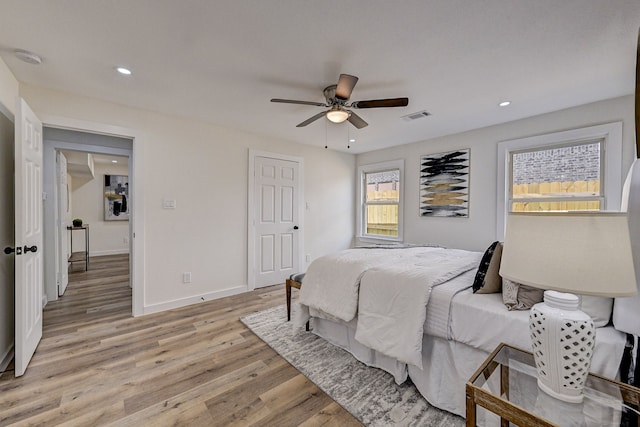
(114, 161)
(352, 140)
(123, 70)
(504, 103)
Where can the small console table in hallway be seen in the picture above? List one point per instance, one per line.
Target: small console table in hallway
(80, 256)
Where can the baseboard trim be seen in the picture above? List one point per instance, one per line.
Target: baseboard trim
(156, 308)
(6, 359)
(109, 252)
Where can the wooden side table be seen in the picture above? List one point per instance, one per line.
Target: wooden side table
(506, 385)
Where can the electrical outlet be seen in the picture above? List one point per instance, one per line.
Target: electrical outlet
(168, 203)
(125, 240)
(186, 277)
(307, 257)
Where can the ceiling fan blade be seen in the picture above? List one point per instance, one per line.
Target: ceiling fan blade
(357, 121)
(311, 119)
(378, 103)
(293, 101)
(345, 86)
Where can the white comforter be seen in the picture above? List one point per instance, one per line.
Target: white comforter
(332, 282)
(393, 301)
(390, 289)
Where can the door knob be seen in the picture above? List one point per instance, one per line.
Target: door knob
(295, 227)
(33, 248)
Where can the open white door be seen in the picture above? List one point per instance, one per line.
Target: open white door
(276, 188)
(62, 221)
(28, 235)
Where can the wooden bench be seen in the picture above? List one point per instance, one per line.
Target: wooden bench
(294, 281)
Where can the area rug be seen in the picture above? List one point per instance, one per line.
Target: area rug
(369, 394)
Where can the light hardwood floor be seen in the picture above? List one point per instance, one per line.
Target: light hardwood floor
(196, 366)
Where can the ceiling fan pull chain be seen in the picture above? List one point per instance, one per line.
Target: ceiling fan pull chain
(325, 134)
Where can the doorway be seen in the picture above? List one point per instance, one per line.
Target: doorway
(92, 210)
(89, 153)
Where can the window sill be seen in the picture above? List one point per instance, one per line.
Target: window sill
(368, 241)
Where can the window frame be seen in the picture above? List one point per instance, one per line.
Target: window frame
(361, 200)
(611, 164)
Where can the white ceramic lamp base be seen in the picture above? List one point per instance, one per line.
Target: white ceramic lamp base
(563, 339)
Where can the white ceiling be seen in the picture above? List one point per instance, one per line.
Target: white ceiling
(222, 61)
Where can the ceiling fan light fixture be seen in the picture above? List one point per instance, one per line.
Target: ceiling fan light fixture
(337, 116)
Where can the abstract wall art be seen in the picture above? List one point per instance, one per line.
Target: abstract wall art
(116, 198)
(444, 184)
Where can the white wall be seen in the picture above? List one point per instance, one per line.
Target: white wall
(478, 230)
(204, 168)
(8, 90)
(68, 216)
(8, 94)
(6, 239)
(87, 202)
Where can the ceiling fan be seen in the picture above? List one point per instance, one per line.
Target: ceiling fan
(337, 97)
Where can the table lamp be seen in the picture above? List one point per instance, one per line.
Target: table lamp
(586, 253)
(626, 315)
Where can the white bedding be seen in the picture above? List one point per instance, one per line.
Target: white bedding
(459, 328)
(332, 282)
(393, 300)
(438, 317)
(483, 321)
(448, 364)
(473, 315)
(342, 334)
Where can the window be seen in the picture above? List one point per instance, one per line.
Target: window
(380, 195)
(564, 171)
(561, 178)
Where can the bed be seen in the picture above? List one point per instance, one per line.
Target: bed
(451, 329)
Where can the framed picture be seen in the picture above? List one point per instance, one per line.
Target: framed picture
(116, 198)
(444, 184)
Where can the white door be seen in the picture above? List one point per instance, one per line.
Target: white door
(28, 235)
(62, 221)
(276, 218)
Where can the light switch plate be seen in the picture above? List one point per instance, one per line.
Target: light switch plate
(168, 203)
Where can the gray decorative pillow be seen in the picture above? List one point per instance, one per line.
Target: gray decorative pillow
(520, 297)
(488, 280)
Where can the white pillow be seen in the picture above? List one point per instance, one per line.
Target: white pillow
(599, 308)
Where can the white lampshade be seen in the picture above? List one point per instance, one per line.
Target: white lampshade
(579, 252)
(626, 316)
(337, 116)
(586, 253)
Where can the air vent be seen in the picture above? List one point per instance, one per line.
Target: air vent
(415, 116)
